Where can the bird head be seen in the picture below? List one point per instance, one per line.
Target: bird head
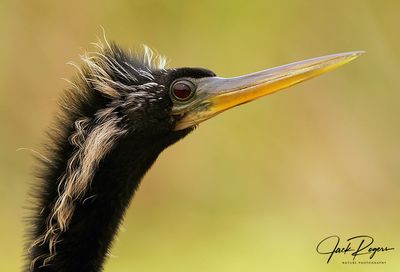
(158, 101)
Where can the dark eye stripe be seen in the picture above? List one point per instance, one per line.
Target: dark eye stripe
(182, 90)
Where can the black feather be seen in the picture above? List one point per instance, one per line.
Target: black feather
(144, 116)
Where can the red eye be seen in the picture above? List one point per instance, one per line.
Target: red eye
(182, 90)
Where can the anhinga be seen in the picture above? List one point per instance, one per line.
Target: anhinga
(121, 112)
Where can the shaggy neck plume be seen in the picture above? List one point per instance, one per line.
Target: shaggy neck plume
(91, 220)
(100, 153)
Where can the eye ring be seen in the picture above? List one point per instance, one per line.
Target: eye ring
(182, 90)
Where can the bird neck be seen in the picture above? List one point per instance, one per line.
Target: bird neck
(84, 197)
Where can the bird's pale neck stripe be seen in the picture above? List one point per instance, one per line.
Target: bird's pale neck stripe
(93, 139)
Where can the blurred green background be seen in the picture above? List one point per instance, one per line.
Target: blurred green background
(254, 189)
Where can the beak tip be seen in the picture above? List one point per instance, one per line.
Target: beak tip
(355, 54)
(358, 52)
(343, 58)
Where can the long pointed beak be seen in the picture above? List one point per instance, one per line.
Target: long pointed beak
(215, 95)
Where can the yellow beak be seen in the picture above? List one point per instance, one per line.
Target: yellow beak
(215, 95)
